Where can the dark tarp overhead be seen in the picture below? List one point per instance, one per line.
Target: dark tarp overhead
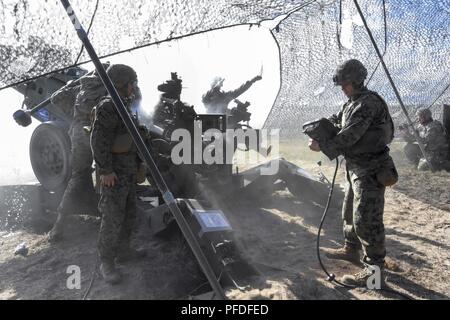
(38, 38)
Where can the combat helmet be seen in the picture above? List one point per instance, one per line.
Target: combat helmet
(121, 75)
(351, 71)
(424, 112)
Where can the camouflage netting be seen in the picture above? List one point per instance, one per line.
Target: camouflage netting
(313, 42)
(38, 38)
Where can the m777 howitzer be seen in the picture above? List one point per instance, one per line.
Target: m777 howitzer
(50, 145)
(193, 184)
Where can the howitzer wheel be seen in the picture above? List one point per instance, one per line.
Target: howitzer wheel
(50, 155)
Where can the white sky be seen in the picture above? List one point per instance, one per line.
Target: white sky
(235, 54)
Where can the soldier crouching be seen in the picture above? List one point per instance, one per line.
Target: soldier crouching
(117, 162)
(433, 137)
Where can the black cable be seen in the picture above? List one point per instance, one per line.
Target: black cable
(88, 290)
(330, 276)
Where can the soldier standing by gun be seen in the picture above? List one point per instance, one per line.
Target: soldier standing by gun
(216, 100)
(366, 128)
(117, 162)
(432, 135)
(79, 195)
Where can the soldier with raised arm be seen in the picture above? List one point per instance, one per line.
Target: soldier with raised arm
(216, 100)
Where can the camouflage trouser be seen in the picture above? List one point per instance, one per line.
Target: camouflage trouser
(79, 196)
(363, 217)
(118, 208)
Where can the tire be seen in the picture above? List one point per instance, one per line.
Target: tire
(50, 155)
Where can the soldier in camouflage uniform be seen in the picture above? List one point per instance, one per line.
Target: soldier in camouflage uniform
(434, 139)
(366, 128)
(216, 100)
(79, 196)
(117, 161)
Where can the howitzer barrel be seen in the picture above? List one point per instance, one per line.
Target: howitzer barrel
(23, 117)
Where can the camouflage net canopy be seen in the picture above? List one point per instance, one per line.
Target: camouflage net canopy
(414, 37)
(314, 36)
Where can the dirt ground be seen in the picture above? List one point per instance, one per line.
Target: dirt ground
(277, 234)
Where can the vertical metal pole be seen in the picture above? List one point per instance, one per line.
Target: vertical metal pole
(394, 87)
(161, 184)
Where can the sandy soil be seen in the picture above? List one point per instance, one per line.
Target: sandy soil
(277, 234)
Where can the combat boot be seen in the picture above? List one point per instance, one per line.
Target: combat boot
(347, 253)
(56, 234)
(128, 253)
(365, 278)
(110, 273)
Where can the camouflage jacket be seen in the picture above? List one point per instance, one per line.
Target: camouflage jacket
(78, 101)
(91, 92)
(366, 128)
(217, 101)
(65, 98)
(434, 139)
(108, 128)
